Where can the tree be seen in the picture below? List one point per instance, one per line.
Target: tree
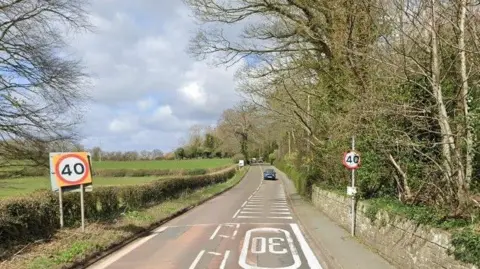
(180, 153)
(39, 86)
(400, 75)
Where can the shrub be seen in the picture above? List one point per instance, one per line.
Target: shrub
(237, 157)
(197, 171)
(34, 217)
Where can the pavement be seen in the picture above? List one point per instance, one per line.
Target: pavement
(259, 224)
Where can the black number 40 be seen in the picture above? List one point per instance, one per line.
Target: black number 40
(355, 159)
(78, 168)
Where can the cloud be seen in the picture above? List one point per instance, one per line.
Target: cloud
(146, 90)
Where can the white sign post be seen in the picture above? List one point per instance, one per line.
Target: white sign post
(351, 160)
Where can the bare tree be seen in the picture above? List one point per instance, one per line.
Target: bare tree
(40, 85)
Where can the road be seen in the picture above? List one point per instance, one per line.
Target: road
(250, 226)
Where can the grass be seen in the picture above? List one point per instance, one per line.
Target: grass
(70, 245)
(21, 186)
(164, 164)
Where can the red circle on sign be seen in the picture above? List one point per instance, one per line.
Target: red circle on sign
(57, 168)
(346, 164)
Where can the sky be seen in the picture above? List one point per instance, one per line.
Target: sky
(146, 90)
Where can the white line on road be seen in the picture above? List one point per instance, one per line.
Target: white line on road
(224, 261)
(214, 253)
(279, 209)
(244, 203)
(280, 217)
(127, 249)
(224, 236)
(215, 232)
(197, 259)
(236, 231)
(307, 251)
(253, 206)
(247, 217)
(236, 213)
(280, 213)
(251, 212)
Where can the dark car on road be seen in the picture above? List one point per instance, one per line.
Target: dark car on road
(269, 174)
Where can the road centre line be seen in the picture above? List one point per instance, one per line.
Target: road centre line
(224, 261)
(117, 256)
(236, 231)
(197, 259)
(307, 251)
(215, 232)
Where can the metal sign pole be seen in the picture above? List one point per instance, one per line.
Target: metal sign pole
(82, 208)
(353, 196)
(60, 199)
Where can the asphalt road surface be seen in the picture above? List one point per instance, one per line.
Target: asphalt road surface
(250, 226)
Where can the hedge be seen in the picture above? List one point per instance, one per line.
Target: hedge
(32, 171)
(36, 217)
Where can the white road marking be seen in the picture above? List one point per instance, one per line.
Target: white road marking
(236, 213)
(307, 251)
(279, 209)
(251, 212)
(224, 236)
(253, 206)
(242, 260)
(214, 253)
(280, 206)
(250, 196)
(279, 217)
(224, 261)
(127, 249)
(247, 217)
(236, 231)
(215, 232)
(244, 203)
(280, 213)
(197, 259)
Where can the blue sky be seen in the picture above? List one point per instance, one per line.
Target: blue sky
(146, 90)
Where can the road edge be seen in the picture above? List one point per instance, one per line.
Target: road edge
(97, 256)
(322, 254)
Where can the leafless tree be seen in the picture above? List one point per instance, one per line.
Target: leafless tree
(40, 84)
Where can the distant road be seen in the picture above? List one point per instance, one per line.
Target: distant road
(250, 226)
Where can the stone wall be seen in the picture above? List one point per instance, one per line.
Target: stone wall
(400, 241)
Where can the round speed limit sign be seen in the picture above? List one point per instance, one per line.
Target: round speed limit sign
(351, 160)
(72, 169)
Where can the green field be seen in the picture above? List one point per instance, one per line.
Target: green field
(163, 164)
(21, 186)
(25, 185)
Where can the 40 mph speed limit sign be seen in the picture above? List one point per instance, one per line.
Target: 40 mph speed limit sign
(72, 169)
(351, 160)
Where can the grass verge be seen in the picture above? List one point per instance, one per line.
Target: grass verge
(101, 238)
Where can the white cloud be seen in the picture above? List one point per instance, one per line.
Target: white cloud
(145, 104)
(194, 93)
(144, 83)
(122, 125)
